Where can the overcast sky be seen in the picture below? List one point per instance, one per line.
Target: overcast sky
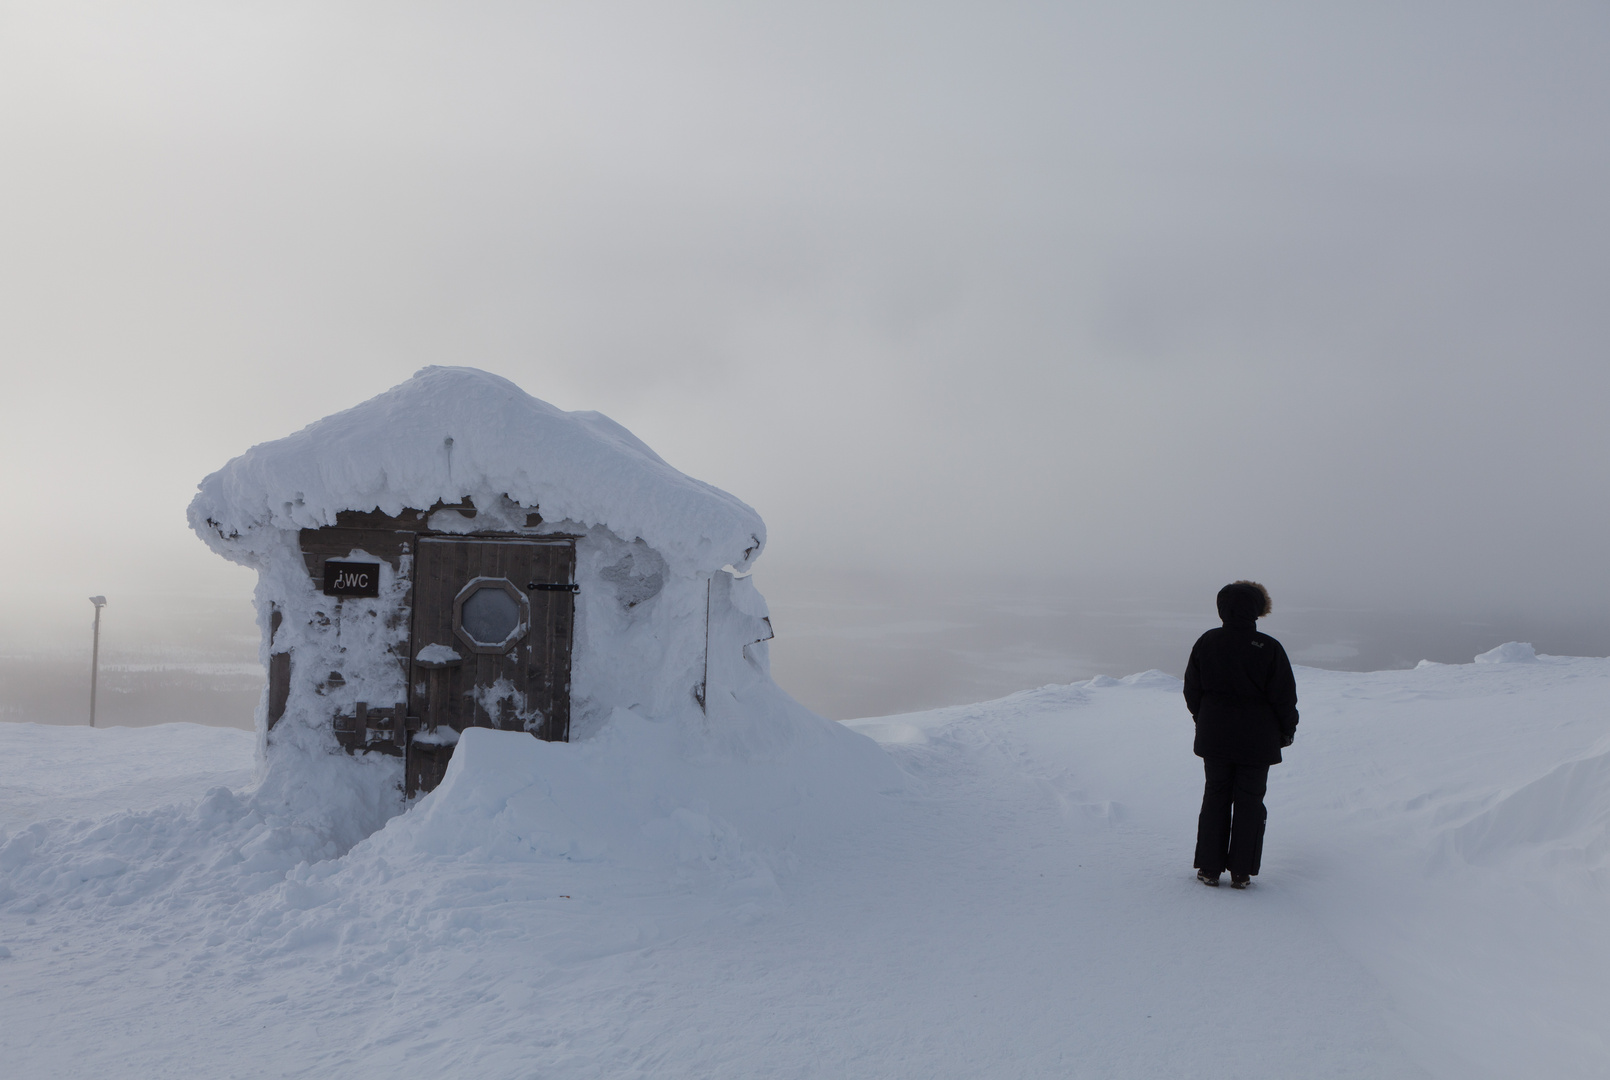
(1133, 294)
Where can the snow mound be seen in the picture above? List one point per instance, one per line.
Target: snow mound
(1511, 652)
(1152, 679)
(1566, 812)
(452, 431)
(636, 798)
(644, 798)
(439, 654)
(222, 849)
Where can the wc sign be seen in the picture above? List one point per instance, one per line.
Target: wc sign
(351, 578)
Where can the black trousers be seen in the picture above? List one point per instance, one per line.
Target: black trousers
(1229, 832)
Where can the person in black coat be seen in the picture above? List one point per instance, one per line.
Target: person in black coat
(1243, 698)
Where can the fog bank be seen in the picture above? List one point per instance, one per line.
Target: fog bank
(1127, 300)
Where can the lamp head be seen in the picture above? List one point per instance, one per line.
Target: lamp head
(98, 601)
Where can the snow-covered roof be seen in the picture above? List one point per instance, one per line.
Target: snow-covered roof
(451, 432)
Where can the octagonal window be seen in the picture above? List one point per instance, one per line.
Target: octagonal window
(490, 615)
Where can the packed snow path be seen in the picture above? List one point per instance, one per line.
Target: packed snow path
(1434, 902)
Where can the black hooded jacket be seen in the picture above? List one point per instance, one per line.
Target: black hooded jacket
(1239, 686)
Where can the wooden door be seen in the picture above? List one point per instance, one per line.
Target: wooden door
(506, 608)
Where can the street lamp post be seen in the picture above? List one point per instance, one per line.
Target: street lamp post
(95, 656)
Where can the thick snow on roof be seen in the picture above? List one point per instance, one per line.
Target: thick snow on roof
(450, 432)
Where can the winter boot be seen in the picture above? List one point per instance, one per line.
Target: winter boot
(1211, 880)
(1239, 881)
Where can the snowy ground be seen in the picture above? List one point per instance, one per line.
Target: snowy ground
(1435, 901)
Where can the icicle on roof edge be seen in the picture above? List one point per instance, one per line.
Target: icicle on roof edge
(450, 432)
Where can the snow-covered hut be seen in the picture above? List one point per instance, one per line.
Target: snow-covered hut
(456, 553)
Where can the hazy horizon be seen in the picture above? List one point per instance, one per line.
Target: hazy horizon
(846, 646)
